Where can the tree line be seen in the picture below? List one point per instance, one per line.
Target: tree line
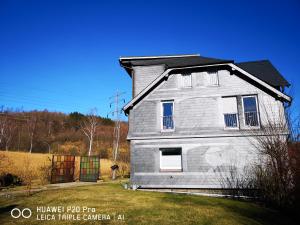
(57, 132)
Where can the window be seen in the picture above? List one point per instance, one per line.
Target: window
(186, 80)
(167, 115)
(170, 159)
(250, 111)
(230, 112)
(212, 78)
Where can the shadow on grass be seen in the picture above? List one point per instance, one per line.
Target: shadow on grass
(241, 210)
(6, 210)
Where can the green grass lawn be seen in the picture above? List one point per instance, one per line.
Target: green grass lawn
(141, 207)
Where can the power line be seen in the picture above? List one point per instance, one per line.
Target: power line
(116, 112)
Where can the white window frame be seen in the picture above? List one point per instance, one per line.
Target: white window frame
(162, 116)
(257, 112)
(162, 169)
(182, 75)
(209, 79)
(237, 116)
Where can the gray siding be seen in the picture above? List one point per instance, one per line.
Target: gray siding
(206, 161)
(208, 150)
(198, 110)
(144, 75)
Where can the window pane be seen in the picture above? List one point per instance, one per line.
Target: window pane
(168, 109)
(250, 111)
(167, 119)
(249, 104)
(171, 159)
(230, 120)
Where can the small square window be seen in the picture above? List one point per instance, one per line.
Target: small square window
(186, 80)
(212, 78)
(170, 159)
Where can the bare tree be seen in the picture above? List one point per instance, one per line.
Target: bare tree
(3, 124)
(274, 177)
(3, 127)
(8, 132)
(7, 127)
(48, 145)
(89, 127)
(31, 127)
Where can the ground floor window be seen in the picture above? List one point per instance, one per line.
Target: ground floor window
(170, 159)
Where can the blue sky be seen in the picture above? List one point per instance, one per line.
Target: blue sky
(63, 55)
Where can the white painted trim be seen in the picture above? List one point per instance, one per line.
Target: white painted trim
(250, 134)
(157, 56)
(257, 112)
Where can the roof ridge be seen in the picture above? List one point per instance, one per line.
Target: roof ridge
(157, 56)
(253, 61)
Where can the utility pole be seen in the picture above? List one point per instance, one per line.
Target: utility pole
(116, 112)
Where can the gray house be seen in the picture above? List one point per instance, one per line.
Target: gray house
(192, 118)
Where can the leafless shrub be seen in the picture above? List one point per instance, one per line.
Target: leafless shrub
(45, 172)
(27, 173)
(236, 182)
(123, 169)
(273, 174)
(4, 163)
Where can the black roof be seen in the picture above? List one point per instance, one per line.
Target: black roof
(265, 71)
(176, 61)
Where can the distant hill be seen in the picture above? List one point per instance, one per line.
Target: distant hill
(58, 133)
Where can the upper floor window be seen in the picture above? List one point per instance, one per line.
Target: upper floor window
(170, 159)
(251, 117)
(230, 112)
(186, 80)
(212, 78)
(167, 115)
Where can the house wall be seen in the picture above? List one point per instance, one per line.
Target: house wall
(208, 150)
(206, 162)
(198, 110)
(144, 75)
